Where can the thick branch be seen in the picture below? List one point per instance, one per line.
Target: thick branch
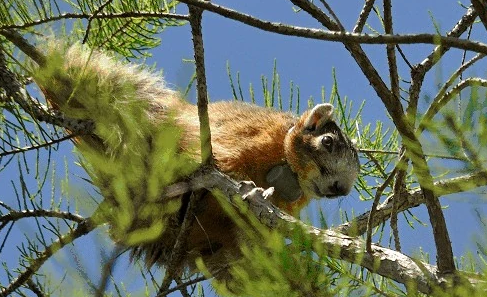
(383, 261)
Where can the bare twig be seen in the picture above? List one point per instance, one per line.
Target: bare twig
(400, 169)
(36, 147)
(333, 15)
(403, 56)
(364, 15)
(377, 164)
(378, 194)
(398, 189)
(184, 289)
(183, 285)
(177, 254)
(436, 104)
(13, 216)
(443, 98)
(419, 71)
(90, 19)
(368, 152)
(391, 54)
(107, 270)
(195, 14)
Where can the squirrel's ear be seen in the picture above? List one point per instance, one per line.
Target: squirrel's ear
(319, 115)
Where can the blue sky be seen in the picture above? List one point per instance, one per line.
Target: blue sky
(308, 64)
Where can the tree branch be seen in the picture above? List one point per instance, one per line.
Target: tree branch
(178, 251)
(93, 16)
(418, 71)
(83, 228)
(480, 7)
(14, 91)
(195, 15)
(442, 98)
(121, 15)
(36, 147)
(13, 216)
(312, 33)
(383, 261)
(410, 199)
(364, 15)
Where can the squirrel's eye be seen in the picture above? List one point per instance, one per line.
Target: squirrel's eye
(327, 142)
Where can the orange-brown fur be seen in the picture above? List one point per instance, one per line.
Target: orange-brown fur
(248, 141)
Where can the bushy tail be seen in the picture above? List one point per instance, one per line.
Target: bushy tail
(134, 152)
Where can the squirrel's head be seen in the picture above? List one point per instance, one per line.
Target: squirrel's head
(323, 157)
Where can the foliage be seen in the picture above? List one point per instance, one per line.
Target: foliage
(123, 170)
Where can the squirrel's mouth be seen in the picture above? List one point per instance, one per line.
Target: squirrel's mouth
(329, 195)
(318, 191)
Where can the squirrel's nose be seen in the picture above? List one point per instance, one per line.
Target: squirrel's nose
(337, 189)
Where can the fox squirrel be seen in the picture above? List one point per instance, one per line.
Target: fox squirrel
(301, 158)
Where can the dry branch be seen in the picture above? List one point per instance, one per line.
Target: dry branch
(195, 16)
(364, 15)
(13, 216)
(481, 8)
(413, 198)
(419, 71)
(342, 37)
(383, 261)
(414, 150)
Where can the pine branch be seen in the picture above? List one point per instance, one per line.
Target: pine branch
(39, 146)
(83, 228)
(88, 16)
